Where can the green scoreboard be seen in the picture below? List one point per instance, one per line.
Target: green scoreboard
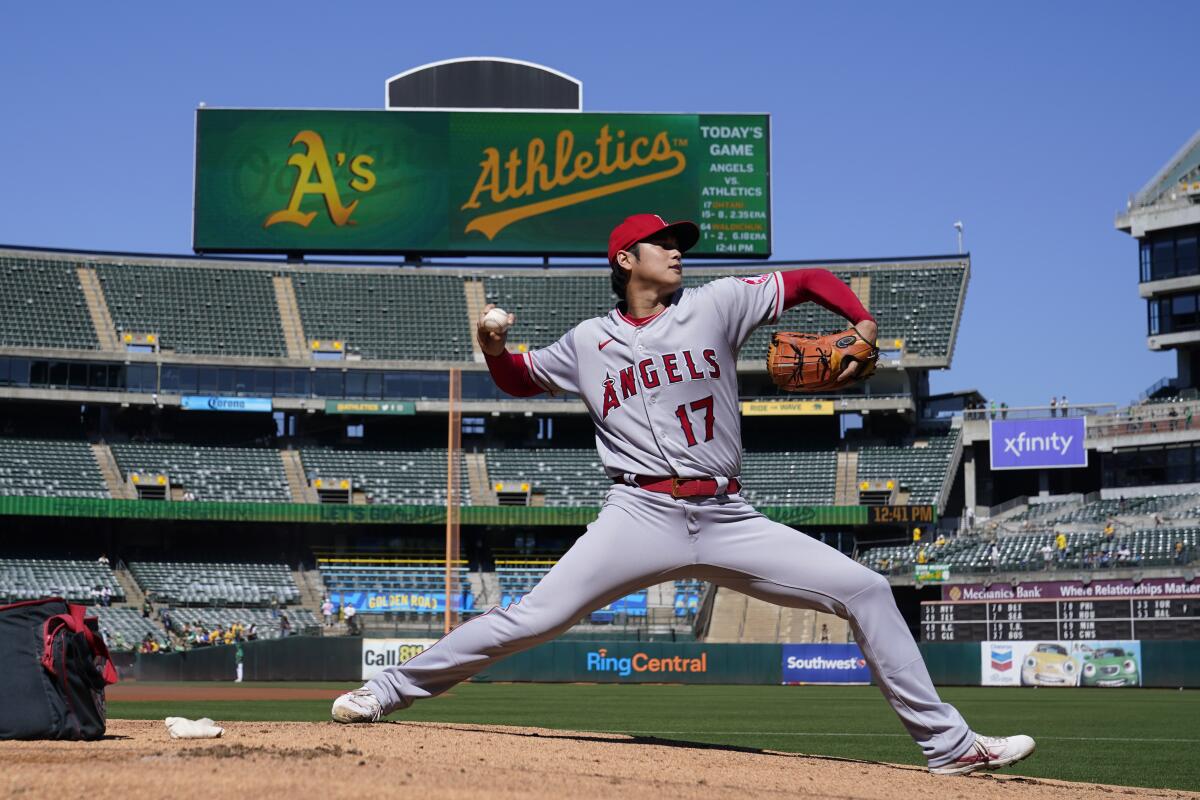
(475, 183)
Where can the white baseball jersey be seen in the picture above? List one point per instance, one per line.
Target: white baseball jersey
(664, 395)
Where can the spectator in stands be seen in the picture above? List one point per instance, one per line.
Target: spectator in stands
(105, 596)
(1047, 554)
(119, 642)
(1105, 558)
(970, 517)
(147, 607)
(165, 616)
(1003, 410)
(824, 633)
(327, 611)
(1060, 544)
(285, 625)
(916, 535)
(1110, 530)
(94, 593)
(252, 631)
(940, 542)
(1180, 552)
(275, 606)
(1158, 520)
(922, 558)
(351, 621)
(994, 556)
(102, 560)
(1062, 405)
(1053, 406)
(1124, 553)
(992, 409)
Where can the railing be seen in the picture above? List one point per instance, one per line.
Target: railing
(1162, 383)
(1147, 419)
(1039, 412)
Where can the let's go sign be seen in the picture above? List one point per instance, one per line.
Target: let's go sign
(466, 183)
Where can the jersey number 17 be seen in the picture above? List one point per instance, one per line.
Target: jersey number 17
(704, 404)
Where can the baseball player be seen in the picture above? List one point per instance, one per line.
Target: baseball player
(658, 377)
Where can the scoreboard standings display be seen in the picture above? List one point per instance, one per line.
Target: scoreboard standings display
(1099, 609)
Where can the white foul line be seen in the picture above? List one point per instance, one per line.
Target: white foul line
(876, 735)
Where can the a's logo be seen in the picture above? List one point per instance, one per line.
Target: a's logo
(516, 178)
(605, 343)
(316, 159)
(1002, 658)
(755, 280)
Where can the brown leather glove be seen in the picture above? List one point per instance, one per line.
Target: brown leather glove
(804, 362)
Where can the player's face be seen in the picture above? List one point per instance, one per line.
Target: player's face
(659, 262)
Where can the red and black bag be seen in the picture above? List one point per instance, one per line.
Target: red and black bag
(55, 666)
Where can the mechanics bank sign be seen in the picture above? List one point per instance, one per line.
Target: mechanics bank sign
(1038, 443)
(824, 663)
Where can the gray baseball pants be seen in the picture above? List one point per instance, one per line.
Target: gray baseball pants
(642, 538)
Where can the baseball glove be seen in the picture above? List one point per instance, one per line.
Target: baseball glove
(804, 362)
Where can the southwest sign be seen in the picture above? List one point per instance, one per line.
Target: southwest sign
(1038, 443)
(465, 183)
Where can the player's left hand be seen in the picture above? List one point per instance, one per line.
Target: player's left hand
(868, 330)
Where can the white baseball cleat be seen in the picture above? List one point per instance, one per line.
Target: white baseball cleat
(989, 752)
(361, 705)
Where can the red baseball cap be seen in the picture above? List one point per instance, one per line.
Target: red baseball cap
(642, 226)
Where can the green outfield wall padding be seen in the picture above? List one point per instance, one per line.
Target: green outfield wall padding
(953, 663)
(642, 662)
(99, 508)
(1170, 664)
(296, 658)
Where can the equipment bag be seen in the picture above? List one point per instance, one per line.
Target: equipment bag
(55, 666)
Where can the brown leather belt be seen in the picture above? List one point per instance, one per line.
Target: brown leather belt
(682, 487)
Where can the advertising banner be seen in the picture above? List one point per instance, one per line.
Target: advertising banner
(1038, 443)
(401, 407)
(1073, 590)
(379, 654)
(931, 573)
(365, 602)
(1107, 664)
(787, 408)
(205, 403)
(824, 663)
(475, 182)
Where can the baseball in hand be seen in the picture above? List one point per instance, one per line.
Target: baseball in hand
(496, 320)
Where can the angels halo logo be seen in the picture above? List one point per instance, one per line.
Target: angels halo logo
(755, 280)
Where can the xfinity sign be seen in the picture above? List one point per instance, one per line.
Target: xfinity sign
(1039, 443)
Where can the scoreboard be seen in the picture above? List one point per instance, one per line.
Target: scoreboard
(1019, 620)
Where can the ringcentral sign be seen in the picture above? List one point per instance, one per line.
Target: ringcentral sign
(465, 183)
(1038, 443)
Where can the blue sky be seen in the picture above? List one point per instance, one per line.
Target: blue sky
(1031, 122)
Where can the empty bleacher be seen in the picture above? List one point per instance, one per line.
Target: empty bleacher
(196, 583)
(548, 308)
(221, 311)
(210, 473)
(919, 466)
(566, 477)
(125, 628)
(390, 477)
(42, 305)
(796, 477)
(49, 468)
(399, 316)
(77, 581)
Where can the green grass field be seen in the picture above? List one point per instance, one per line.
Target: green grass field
(1141, 737)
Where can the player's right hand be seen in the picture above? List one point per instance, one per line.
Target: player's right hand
(492, 342)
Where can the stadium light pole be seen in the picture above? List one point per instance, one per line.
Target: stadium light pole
(958, 227)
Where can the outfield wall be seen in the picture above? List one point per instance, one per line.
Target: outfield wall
(310, 658)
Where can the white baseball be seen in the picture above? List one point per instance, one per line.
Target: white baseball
(496, 320)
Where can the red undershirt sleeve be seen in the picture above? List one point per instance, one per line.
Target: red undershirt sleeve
(512, 375)
(823, 287)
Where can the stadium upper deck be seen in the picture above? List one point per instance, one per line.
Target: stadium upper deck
(195, 310)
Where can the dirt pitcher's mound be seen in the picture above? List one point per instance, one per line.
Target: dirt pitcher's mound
(427, 760)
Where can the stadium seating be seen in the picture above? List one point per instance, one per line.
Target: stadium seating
(385, 575)
(222, 311)
(211, 473)
(49, 468)
(302, 620)
(689, 593)
(387, 316)
(567, 477)
(390, 477)
(919, 465)
(32, 578)
(42, 305)
(548, 306)
(797, 477)
(125, 628)
(187, 583)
